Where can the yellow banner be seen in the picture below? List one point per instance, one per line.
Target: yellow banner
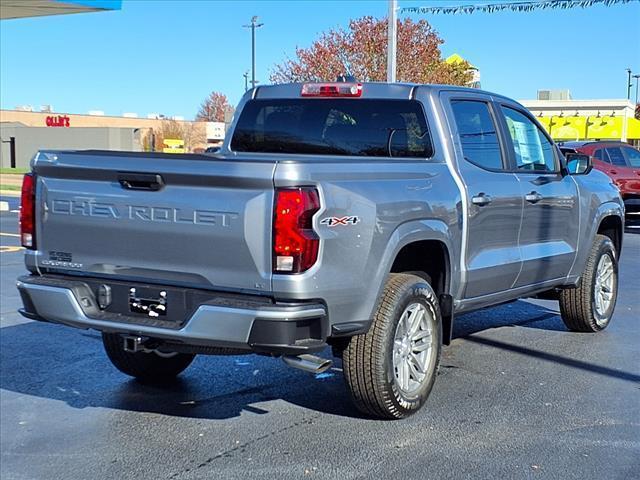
(568, 128)
(590, 128)
(633, 129)
(604, 127)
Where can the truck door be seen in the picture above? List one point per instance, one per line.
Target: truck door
(549, 233)
(493, 198)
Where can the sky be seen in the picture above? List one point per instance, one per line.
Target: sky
(166, 56)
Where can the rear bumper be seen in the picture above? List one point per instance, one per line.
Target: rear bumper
(273, 328)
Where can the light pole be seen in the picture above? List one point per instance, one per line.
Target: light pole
(392, 40)
(637, 77)
(629, 84)
(253, 25)
(246, 80)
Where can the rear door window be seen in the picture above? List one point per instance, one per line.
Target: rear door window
(478, 135)
(616, 156)
(360, 127)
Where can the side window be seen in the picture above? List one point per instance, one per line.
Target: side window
(532, 149)
(599, 155)
(477, 133)
(616, 156)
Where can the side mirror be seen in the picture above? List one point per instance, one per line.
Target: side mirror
(578, 163)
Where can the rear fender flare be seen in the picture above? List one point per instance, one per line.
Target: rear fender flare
(409, 232)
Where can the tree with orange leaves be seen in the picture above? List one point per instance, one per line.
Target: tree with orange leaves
(213, 108)
(361, 51)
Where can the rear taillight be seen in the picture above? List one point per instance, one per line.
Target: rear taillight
(28, 211)
(295, 244)
(335, 89)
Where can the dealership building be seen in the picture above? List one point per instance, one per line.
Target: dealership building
(23, 133)
(568, 119)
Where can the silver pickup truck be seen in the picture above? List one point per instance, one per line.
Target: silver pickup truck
(361, 216)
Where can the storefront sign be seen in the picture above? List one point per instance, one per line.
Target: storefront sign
(57, 121)
(173, 145)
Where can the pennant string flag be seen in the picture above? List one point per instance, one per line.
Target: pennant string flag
(524, 6)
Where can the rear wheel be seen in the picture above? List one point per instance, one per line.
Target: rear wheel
(151, 367)
(391, 369)
(589, 307)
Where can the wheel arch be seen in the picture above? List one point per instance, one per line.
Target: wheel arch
(429, 259)
(607, 219)
(612, 226)
(411, 250)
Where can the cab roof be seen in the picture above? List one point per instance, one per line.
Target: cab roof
(369, 90)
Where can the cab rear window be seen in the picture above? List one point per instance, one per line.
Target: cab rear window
(342, 126)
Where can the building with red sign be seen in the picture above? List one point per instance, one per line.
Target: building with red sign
(23, 133)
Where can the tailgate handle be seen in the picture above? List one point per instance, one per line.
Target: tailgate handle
(141, 181)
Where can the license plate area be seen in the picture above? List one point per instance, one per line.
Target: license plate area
(128, 299)
(153, 304)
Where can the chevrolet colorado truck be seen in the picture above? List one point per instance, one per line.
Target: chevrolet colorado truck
(361, 216)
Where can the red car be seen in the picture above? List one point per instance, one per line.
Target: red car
(621, 162)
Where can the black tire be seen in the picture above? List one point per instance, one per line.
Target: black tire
(148, 367)
(578, 305)
(368, 358)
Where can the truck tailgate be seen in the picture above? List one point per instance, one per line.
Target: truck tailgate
(205, 222)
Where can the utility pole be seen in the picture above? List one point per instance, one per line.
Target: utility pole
(253, 25)
(392, 40)
(629, 84)
(246, 80)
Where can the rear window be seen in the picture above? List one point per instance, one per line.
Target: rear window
(633, 156)
(342, 126)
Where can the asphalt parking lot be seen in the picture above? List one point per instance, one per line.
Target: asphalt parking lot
(518, 396)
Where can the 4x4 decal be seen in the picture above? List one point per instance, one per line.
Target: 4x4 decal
(335, 221)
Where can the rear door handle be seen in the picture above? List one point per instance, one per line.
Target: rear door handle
(533, 197)
(481, 199)
(141, 181)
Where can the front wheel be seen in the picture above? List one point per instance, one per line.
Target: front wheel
(391, 369)
(589, 307)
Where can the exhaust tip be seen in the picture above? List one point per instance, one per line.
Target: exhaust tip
(308, 363)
